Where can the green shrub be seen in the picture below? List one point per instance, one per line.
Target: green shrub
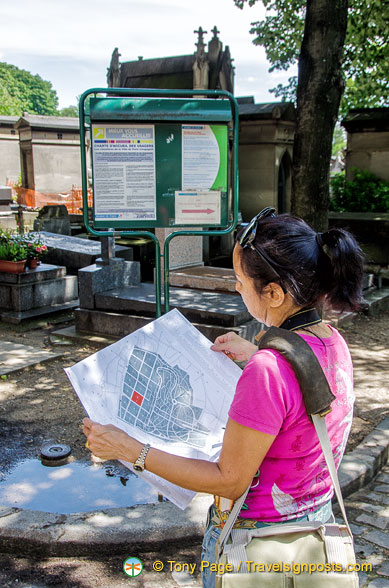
(12, 251)
(12, 246)
(364, 193)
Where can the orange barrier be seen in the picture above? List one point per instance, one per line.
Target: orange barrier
(72, 200)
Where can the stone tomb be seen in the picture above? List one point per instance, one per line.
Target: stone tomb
(53, 218)
(75, 253)
(114, 302)
(204, 278)
(36, 292)
(120, 311)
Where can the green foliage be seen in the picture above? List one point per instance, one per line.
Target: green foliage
(20, 91)
(69, 111)
(12, 247)
(364, 193)
(338, 140)
(366, 50)
(16, 247)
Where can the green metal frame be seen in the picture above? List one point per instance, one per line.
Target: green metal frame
(137, 92)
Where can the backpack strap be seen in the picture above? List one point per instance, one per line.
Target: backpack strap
(316, 391)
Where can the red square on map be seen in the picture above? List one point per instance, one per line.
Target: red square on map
(137, 398)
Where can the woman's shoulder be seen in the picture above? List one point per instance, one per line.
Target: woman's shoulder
(270, 364)
(321, 345)
(274, 364)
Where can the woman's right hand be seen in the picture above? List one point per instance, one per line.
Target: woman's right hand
(234, 346)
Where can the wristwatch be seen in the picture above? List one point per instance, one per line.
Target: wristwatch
(139, 464)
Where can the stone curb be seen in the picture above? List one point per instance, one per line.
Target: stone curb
(360, 466)
(150, 527)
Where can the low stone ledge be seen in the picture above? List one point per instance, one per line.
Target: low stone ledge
(110, 531)
(361, 465)
(149, 527)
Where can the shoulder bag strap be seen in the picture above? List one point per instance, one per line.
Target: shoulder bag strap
(303, 361)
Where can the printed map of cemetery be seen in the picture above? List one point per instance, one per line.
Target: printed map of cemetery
(157, 397)
(163, 385)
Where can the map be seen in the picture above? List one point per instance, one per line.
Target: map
(158, 397)
(162, 385)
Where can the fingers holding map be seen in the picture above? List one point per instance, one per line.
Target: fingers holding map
(163, 385)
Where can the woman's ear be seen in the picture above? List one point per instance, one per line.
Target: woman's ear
(275, 294)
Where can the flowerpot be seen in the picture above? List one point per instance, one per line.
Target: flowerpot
(12, 267)
(33, 262)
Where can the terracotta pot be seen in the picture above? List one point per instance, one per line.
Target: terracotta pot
(12, 267)
(33, 262)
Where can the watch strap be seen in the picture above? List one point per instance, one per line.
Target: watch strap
(139, 464)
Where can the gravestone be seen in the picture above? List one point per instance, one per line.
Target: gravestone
(53, 218)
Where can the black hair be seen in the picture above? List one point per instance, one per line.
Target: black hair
(313, 267)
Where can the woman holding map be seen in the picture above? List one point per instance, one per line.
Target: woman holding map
(283, 271)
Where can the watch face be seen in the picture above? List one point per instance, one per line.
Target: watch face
(138, 468)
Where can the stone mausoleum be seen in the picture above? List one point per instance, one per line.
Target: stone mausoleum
(209, 68)
(368, 141)
(49, 152)
(265, 130)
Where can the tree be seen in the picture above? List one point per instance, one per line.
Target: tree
(365, 56)
(21, 91)
(69, 111)
(319, 89)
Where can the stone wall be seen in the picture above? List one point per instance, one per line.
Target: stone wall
(262, 144)
(9, 154)
(368, 150)
(56, 166)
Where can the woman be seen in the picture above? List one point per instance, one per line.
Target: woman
(283, 269)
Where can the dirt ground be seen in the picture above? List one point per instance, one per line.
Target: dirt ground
(38, 405)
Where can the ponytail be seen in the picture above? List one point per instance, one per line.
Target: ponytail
(313, 267)
(340, 269)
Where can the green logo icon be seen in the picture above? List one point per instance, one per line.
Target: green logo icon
(132, 566)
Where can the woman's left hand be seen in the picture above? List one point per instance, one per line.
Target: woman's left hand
(108, 441)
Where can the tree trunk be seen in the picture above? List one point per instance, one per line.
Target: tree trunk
(320, 88)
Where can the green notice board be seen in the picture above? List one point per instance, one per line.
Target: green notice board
(159, 174)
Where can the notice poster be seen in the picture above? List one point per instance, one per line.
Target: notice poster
(204, 157)
(124, 184)
(197, 208)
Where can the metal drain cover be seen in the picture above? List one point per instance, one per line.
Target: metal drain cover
(55, 451)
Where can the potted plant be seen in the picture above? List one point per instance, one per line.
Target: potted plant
(36, 250)
(13, 253)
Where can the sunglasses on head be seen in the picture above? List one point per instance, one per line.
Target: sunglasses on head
(248, 236)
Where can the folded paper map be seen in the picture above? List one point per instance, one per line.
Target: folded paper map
(163, 385)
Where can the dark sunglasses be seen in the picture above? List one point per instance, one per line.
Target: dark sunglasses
(248, 236)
